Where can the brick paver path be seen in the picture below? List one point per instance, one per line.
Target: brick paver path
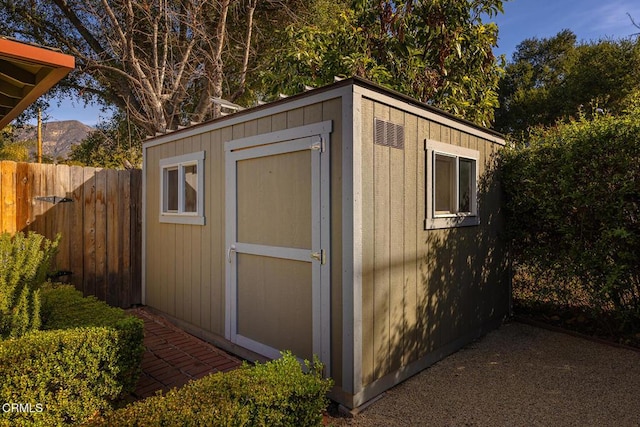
(173, 357)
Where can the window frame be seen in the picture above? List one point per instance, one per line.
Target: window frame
(180, 163)
(433, 219)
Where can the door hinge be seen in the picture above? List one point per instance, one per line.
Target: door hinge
(54, 199)
(319, 256)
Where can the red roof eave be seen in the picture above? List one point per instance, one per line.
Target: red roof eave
(53, 66)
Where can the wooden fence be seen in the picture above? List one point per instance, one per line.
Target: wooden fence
(97, 212)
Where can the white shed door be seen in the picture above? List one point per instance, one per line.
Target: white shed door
(277, 256)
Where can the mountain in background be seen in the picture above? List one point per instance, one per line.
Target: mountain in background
(57, 137)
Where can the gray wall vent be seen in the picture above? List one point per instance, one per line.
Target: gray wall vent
(388, 134)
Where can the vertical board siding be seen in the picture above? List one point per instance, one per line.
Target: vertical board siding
(397, 326)
(185, 265)
(219, 252)
(410, 249)
(153, 236)
(381, 251)
(438, 270)
(100, 228)
(421, 289)
(332, 110)
(423, 337)
(368, 300)
(206, 245)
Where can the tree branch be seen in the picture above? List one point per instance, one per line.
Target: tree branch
(251, 8)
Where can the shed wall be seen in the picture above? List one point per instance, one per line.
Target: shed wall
(422, 290)
(185, 264)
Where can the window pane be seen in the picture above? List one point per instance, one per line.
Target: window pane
(444, 185)
(191, 188)
(465, 183)
(171, 190)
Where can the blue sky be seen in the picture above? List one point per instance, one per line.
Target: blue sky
(590, 20)
(70, 109)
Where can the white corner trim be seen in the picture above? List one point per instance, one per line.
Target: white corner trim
(143, 277)
(352, 245)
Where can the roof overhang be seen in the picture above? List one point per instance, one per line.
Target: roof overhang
(26, 72)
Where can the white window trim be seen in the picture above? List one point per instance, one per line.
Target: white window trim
(180, 162)
(466, 219)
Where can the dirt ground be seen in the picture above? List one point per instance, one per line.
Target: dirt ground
(518, 375)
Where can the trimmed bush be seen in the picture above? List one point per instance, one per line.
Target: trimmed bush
(574, 214)
(86, 359)
(24, 262)
(277, 393)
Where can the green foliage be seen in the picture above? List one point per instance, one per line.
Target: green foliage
(552, 79)
(114, 144)
(574, 210)
(277, 393)
(438, 52)
(88, 357)
(168, 58)
(17, 151)
(24, 263)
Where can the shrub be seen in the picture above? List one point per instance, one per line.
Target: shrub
(88, 356)
(24, 262)
(277, 393)
(64, 307)
(573, 207)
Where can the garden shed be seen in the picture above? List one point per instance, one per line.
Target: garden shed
(348, 222)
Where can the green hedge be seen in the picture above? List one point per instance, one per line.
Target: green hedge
(277, 393)
(86, 359)
(573, 209)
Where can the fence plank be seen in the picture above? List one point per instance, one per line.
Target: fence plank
(101, 228)
(101, 234)
(124, 243)
(76, 226)
(48, 208)
(8, 197)
(136, 236)
(38, 186)
(23, 197)
(89, 258)
(113, 233)
(61, 216)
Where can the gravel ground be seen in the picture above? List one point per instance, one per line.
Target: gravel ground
(518, 375)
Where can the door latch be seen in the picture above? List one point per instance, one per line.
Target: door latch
(232, 248)
(54, 199)
(319, 256)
